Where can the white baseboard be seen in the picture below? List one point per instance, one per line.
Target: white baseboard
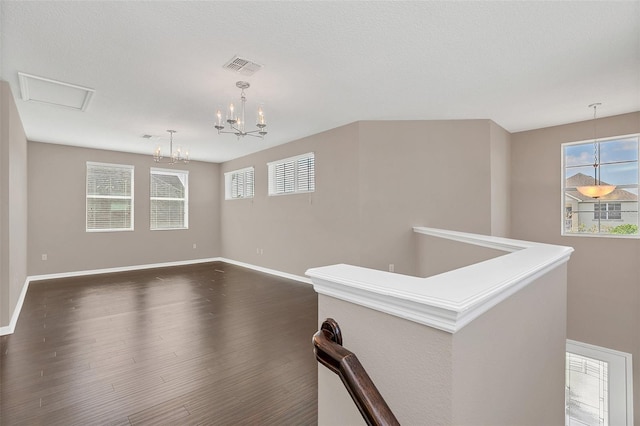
(9, 329)
(120, 269)
(267, 270)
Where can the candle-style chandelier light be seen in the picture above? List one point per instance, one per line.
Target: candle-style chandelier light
(236, 119)
(174, 156)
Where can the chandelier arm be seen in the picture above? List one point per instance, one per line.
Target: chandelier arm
(252, 134)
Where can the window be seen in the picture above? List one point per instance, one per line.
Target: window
(109, 197)
(615, 214)
(292, 175)
(607, 211)
(598, 386)
(239, 184)
(169, 199)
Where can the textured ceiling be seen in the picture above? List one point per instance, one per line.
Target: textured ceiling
(158, 65)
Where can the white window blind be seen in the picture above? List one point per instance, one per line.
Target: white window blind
(292, 175)
(169, 199)
(239, 184)
(109, 197)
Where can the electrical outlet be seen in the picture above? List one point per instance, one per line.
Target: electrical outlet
(392, 267)
(44, 257)
(195, 245)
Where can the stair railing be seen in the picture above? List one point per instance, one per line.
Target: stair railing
(327, 345)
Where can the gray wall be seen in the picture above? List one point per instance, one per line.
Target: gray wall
(374, 181)
(509, 363)
(57, 196)
(504, 368)
(604, 273)
(500, 181)
(13, 205)
(298, 231)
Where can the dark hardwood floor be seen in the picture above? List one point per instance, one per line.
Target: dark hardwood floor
(202, 344)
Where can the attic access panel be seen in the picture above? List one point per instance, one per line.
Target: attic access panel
(53, 92)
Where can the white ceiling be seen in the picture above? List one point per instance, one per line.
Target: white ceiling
(158, 65)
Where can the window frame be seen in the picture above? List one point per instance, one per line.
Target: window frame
(620, 378)
(599, 234)
(185, 199)
(130, 198)
(272, 182)
(228, 183)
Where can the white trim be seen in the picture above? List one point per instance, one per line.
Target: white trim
(173, 172)
(121, 269)
(122, 166)
(228, 178)
(497, 243)
(242, 170)
(294, 158)
(611, 356)
(16, 313)
(447, 301)
(9, 329)
(131, 198)
(271, 175)
(563, 192)
(267, 270)
(181, 175)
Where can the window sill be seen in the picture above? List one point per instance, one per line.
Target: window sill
(587, 234)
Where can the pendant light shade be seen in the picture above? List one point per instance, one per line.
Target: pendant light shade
(596, 191)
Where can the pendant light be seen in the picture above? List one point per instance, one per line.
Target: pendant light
(596, 190)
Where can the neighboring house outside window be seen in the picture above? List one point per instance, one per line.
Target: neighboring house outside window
(292, 175)
(239, 184)
(614, 214)
(169, 199)
(607, 211)
(109, 191)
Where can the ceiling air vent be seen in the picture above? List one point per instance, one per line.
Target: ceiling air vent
(52, 92)
(242, 66)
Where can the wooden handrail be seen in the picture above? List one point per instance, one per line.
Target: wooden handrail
(327, 345)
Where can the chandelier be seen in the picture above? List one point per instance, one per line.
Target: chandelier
(174, 156)
(596, 190)
(236, 119)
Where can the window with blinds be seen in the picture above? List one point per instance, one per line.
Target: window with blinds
(239, 184)
(109, 197)
(292, 175)
(169, 199)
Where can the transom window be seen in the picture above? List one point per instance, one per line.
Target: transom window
(109, 197)
(239, 184)
(169, 199)
(292, 175)
(615, 214)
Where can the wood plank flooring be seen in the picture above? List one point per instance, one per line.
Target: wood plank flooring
(211, 343)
